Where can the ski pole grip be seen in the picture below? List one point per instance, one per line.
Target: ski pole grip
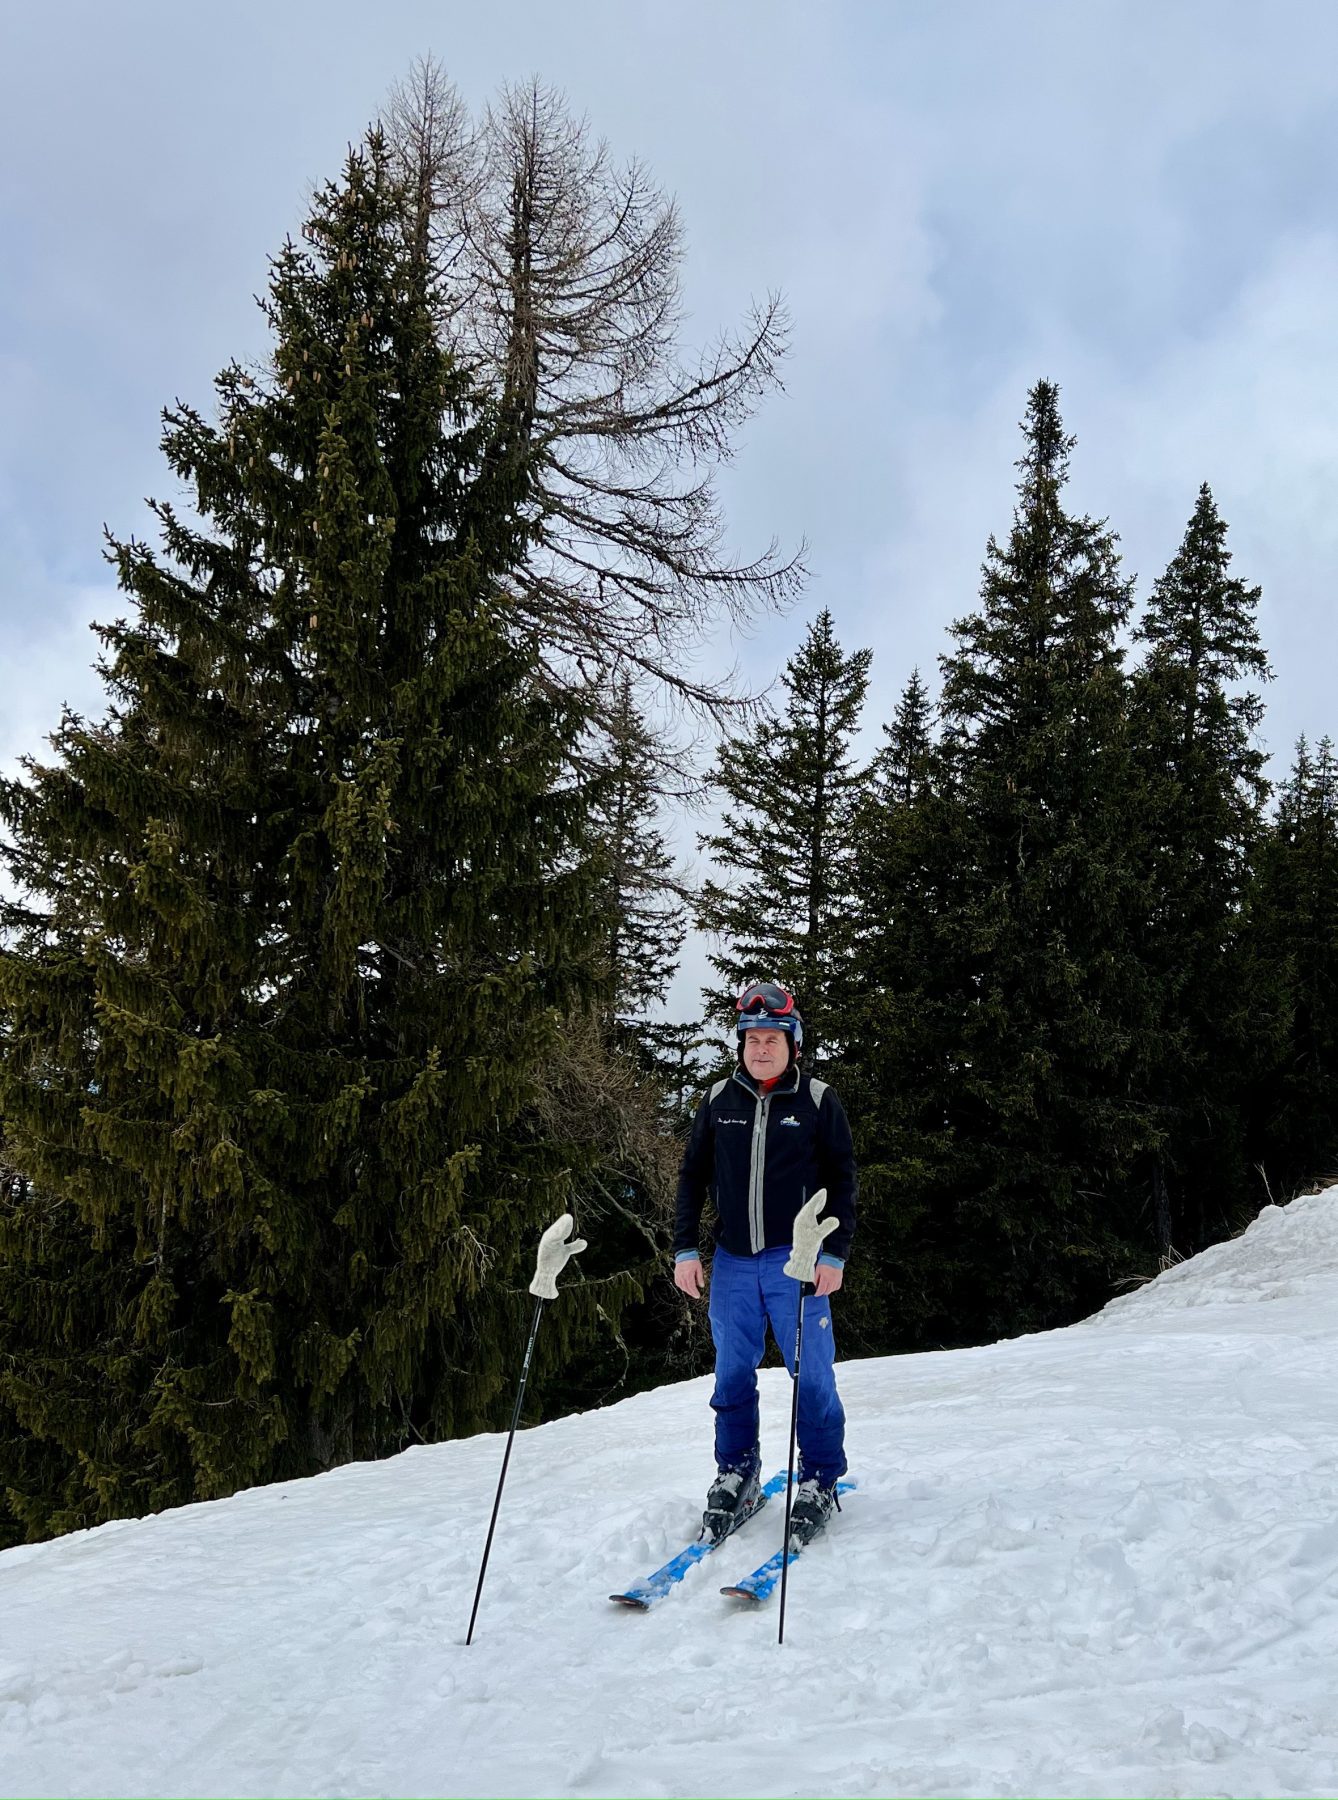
(554, 1254)
(808, 1238)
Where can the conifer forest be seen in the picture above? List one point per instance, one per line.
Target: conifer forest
(333, 951)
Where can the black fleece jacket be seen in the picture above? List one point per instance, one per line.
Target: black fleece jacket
(760, 1157)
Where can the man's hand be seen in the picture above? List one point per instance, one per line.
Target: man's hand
(690, 1277)
(826, 1279)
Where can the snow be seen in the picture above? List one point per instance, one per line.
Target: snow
(1100, 1561)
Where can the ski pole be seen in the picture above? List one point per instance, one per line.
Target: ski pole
(804, 1288)
(801, 1267)
(554, 1253)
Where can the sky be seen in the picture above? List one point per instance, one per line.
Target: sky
(956, 198)
(1098, 1561)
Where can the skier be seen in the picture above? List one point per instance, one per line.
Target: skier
(763, 1140)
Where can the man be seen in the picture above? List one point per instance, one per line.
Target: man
(762, 1142)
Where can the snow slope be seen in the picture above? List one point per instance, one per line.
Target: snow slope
(1096, 1561)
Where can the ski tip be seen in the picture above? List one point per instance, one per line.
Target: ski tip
(740, 1593)
(633, 1602)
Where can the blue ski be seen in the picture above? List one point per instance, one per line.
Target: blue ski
(759, 1585)
(644, 1594)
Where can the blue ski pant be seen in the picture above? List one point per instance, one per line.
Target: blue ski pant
(747, 1294)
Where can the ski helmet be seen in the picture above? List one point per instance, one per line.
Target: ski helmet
(767, 1006)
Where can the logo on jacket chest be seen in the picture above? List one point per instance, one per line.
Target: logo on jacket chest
(790, 1119)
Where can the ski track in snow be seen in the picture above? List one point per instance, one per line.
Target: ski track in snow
(1099, 1561)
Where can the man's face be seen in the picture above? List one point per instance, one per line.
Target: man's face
(765, 1053)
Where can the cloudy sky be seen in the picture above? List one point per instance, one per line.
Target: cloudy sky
(1138, 201)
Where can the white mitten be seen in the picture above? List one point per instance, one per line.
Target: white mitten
(554, 1253)
(808, 1237)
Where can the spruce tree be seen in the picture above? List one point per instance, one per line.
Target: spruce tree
(901, 769)
(786, 841)
(645, 920)
(299, 920)
(1294, 936)
(899, 986)
(1054, 1016)
(681, 1054)
(1200, 772)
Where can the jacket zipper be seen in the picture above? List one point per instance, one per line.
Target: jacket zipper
(757, 1231)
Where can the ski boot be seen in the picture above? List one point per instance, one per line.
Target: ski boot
(734, 1496)
(813, 1504)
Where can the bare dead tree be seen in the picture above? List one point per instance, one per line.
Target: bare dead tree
(436, 147)
(565, 303)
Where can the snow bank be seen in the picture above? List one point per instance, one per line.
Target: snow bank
(1288, 1252)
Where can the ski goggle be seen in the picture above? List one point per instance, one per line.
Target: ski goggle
(765, 997)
